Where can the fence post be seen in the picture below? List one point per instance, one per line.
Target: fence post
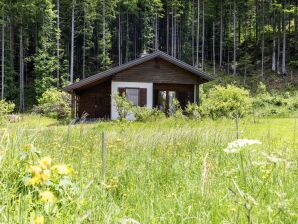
(237, 125)
(103, 155)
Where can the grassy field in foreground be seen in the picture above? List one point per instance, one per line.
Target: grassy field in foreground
(168, 171)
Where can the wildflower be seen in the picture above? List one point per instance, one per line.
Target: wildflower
(28, 147)
(45, 175)
(236, 146)
(34, 181)
(61, 169)
(39, 219)
(47, 196)
(274, 159)
(114, 182)
(35, 170)
(45, 162)
(129, 221)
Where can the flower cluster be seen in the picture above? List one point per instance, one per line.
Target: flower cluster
(46, 178)
(42, 172)
(236, 146)
(113, 184)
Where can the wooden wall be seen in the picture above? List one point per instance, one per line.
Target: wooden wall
(96, 101)
(157, 71)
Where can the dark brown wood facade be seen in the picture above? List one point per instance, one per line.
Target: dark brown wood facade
(96, 101)
(157, 71)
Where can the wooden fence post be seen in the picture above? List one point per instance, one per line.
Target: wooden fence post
(103, 155)
(237, 125)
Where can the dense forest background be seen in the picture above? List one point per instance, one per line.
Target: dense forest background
(50, 43)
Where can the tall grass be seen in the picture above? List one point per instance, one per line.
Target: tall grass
(167, 171)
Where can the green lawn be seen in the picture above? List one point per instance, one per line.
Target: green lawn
(168, 171)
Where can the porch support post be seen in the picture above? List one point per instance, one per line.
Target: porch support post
(195, 94)
(73, 105)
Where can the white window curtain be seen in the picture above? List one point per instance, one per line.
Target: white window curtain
(132, 95)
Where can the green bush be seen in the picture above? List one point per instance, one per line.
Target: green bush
(123, 106)
(6, 107)
(193, 110)
(176, 110)
(147, 114)
(226, 101)
(55, 104)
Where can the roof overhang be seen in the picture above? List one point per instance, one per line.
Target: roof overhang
(157, 54)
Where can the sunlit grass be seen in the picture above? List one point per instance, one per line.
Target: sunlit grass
(168, 171)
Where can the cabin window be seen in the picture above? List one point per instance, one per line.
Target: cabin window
(132, 95)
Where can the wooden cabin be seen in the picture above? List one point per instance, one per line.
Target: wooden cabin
(153, 80)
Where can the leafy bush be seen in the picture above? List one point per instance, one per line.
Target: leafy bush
(55, 104)
(123, 106)
(175, 110)
(226, 101)
(147, 114)
(6, 107)
(193, 110)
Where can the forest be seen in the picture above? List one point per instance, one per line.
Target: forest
(51, 43)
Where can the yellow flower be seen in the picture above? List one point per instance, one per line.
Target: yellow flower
(47, 196)
(35, 170)
(45, 162)
(61, 169)
(45, 175)
(39, 219)
(34, 181)
(27, 147)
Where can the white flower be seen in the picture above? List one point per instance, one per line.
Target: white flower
(236, 146)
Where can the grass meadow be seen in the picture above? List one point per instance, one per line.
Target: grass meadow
(166, 171)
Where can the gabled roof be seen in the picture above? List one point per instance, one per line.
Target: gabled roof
(156, 54)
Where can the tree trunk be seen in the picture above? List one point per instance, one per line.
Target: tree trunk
(274, 44)
(21, 69)
(156, 32)
(168, 27)
(104, 27)
(213, 48)
(203, 36)
(58, 43)
(221, 34)
(198, 35)
(296, 26)
(235, 51)
(283, 67)
(127, 38)
(278, 49)
(72, 42)
(192, 33)
(84, 46)
(3, 58)
(119, 38)
(263, 31)
(172, 39)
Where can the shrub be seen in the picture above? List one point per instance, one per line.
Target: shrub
(147, 114)
(6, 107)
(123, 106)
(226, 101)
(55, 104)
(175, 110)
(193, 110)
